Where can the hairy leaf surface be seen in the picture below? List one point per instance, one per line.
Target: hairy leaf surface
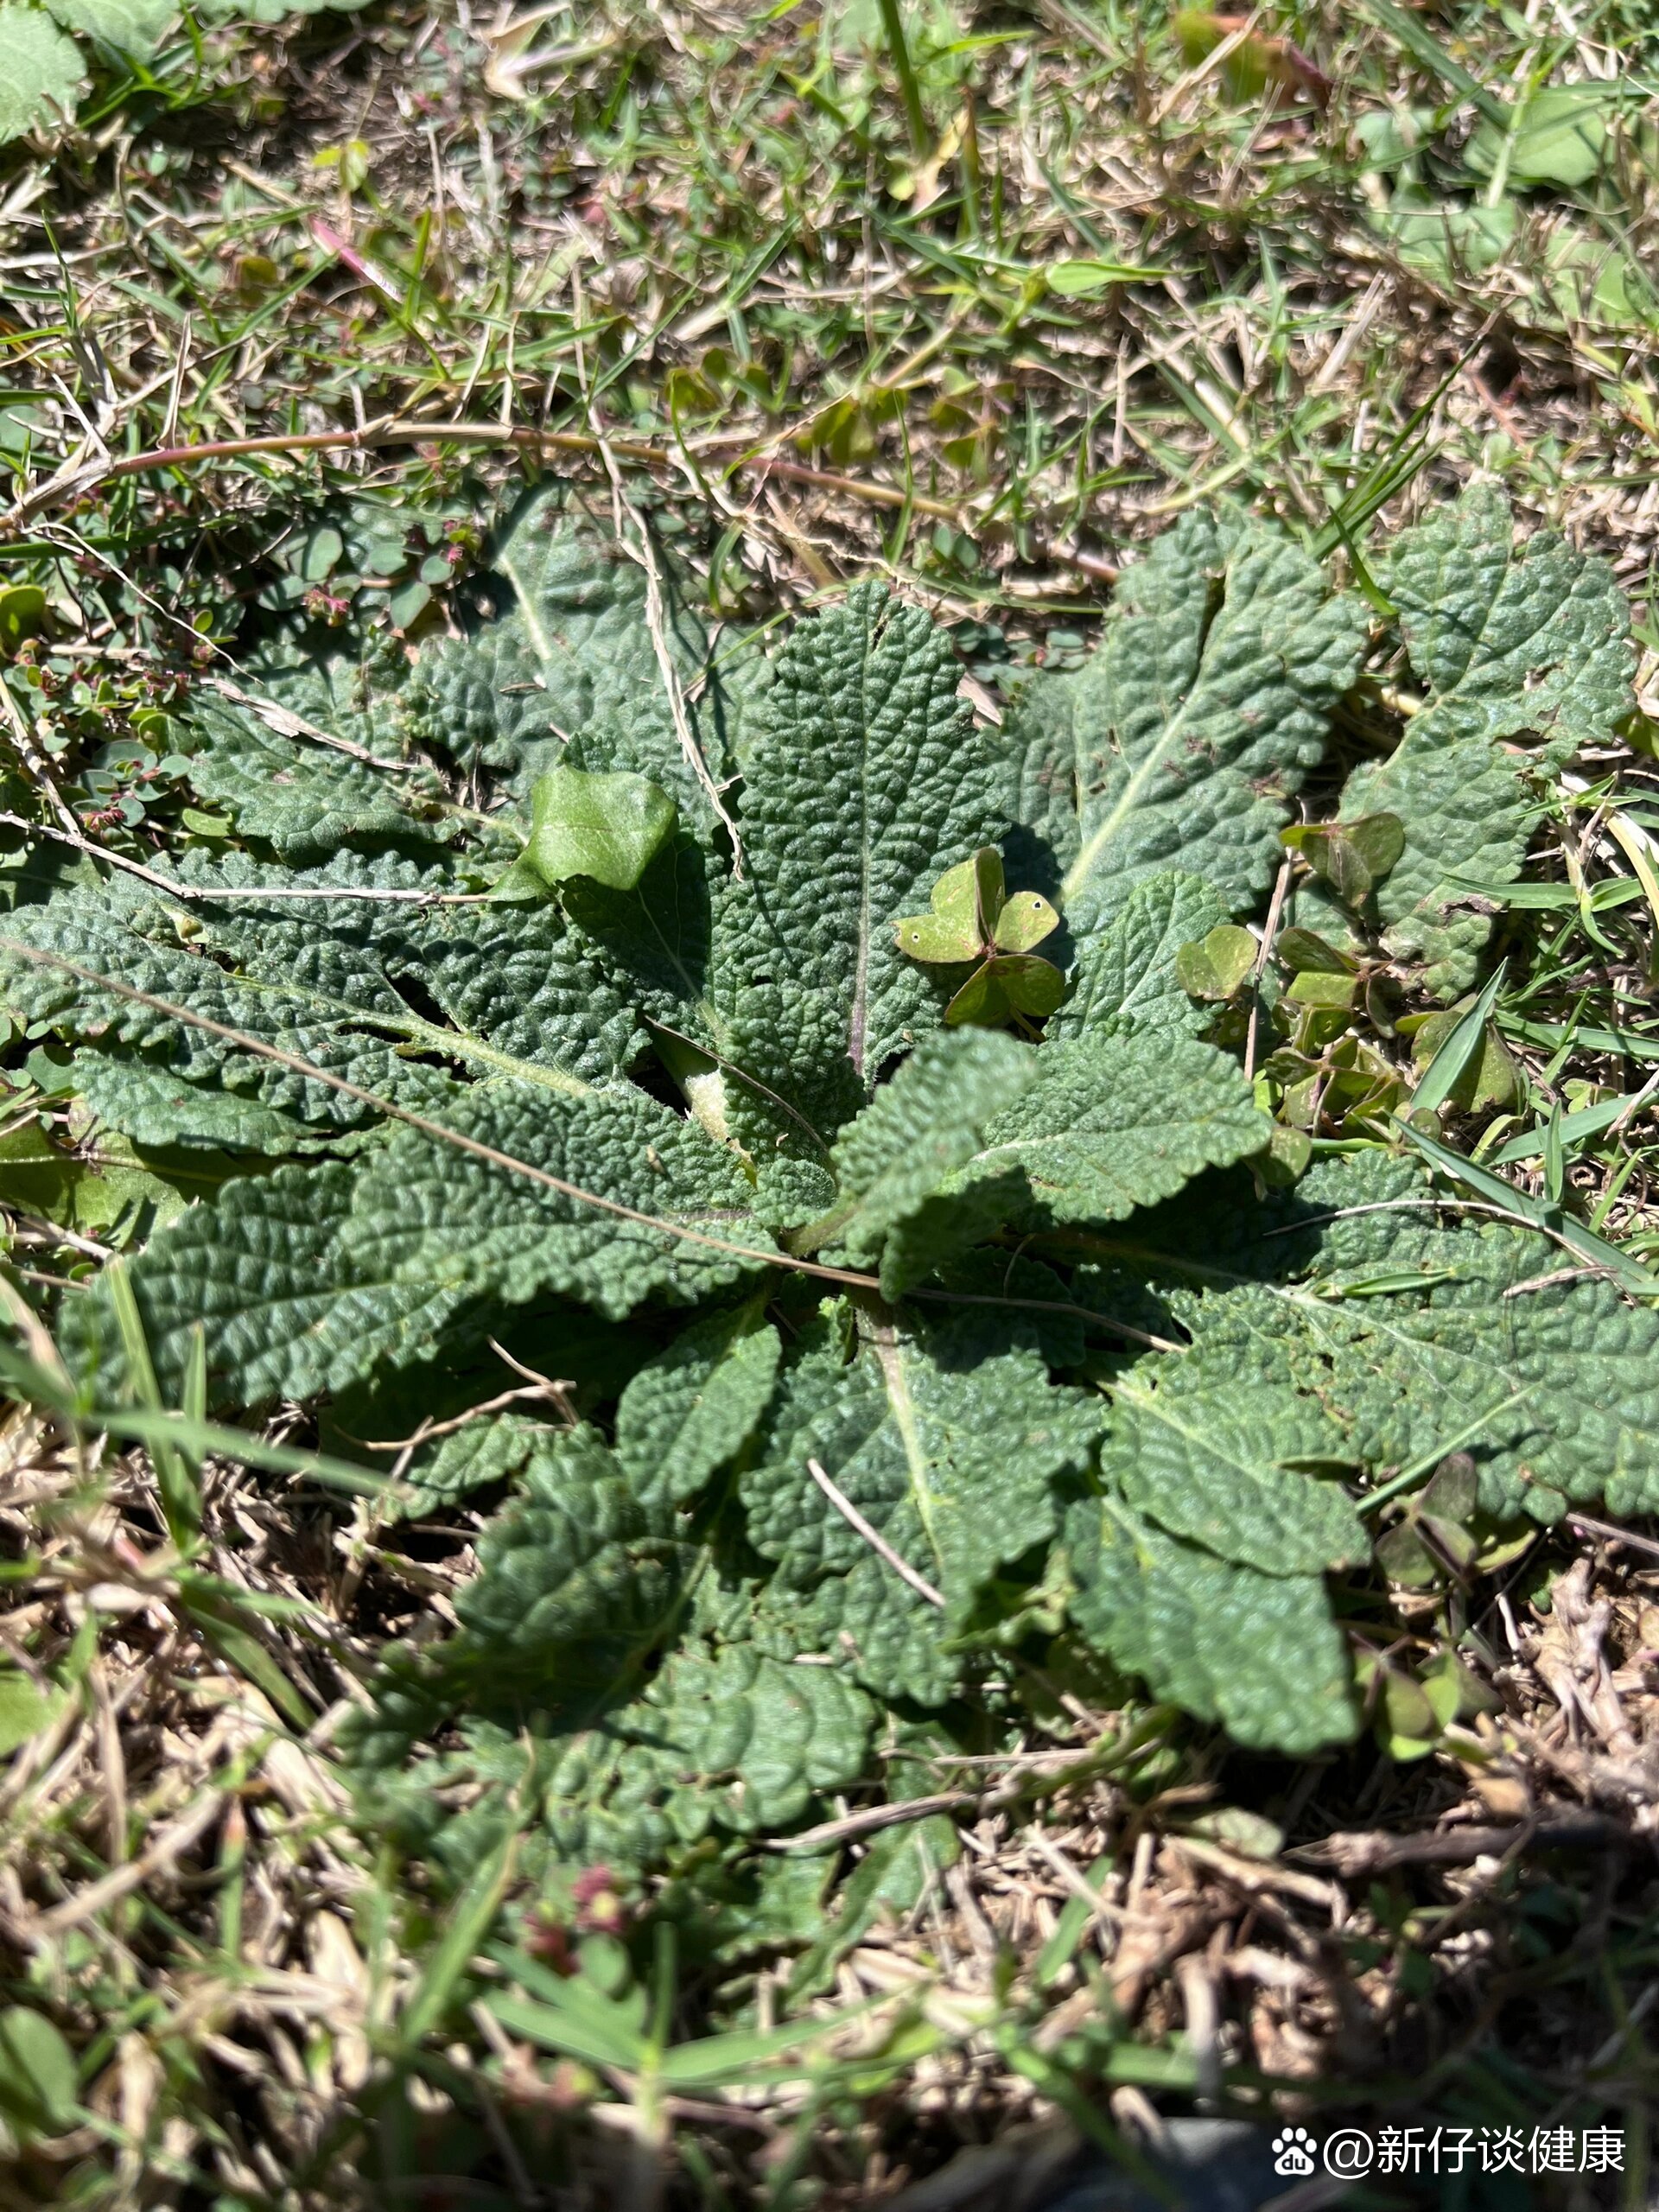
(1114, 1122)
(568, 674)
(1125, 980)
(302, 799)
(894, 1163)
(865, 781)
(146, 1102)
(44, 75)
(1258, 1652)
(1212, 1459)
(1552, 1389)
(727, 1736)
(696, 1405)
(1531, 640)
(582, 1583)
(892, 1360)
(1182, 740)
(307, 1281)
(953, 1465)
(346, 983)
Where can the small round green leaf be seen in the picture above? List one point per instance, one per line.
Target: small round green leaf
(38, 2075)
(1034, 986)
(320, 553)
(608, 828)
(1301, 950)
(966, 904)
(22, 614)
(1591, 279)
(1406, 1558)
(1215, 967)
(925, 937)
(1285, 1161)
(409, 602)
(1314, 986)
(25, 1708)
(1407, 1704)
(1447, 240)
(1454, 1543)
(1351, 856)
(1454, 1491)
(972, 915)
(1011, 983)
(1379, 839)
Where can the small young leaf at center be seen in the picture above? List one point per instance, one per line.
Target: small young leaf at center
(1352, 856)
(607, 827)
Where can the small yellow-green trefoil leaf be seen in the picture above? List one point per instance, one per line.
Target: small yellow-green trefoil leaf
(1006, 984)
(966, 903)
(973, 918)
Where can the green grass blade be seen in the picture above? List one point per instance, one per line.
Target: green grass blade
(165, 1429)
(607, 2039)
(180, 1488)
(1573, 1129)
(1426, 50)
(195, 1394)
(892, 22)
(1595, 1251)
(469, 1923)
(240, 1648)
(1440, 1078)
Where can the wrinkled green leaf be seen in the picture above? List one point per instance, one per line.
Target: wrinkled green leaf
(1532, 640)
(880, 1348)
(1113, 1123)
(695, 1406)
(1127, 975)
(1183, 740)
(1258, 1652)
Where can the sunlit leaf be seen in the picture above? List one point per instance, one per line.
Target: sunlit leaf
(1559, 136)
(1026, 920)
(966, 904)
(606, 828)
(1352, 857)
(1215, 967)
(43, 75)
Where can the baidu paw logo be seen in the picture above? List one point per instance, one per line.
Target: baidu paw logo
(1292, 2151)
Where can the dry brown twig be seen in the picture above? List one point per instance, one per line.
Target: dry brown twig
(873, 1536)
